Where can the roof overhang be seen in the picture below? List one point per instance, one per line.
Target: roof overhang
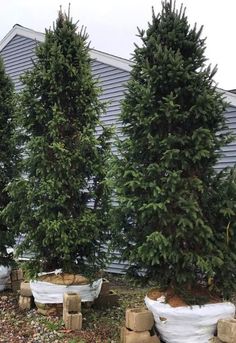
(21, 31)
(100, 56)
(229, 96)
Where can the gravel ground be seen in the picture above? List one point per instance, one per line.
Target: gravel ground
(99, 326)
(20, 326)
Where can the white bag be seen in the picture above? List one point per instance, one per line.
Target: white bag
(195, 324)
(4, 276)
(50, 293)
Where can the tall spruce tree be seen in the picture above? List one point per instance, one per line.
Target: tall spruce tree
(8, 158)
(61, 203)
(172, 215)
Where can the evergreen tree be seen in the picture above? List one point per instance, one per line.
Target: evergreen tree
(61, 203)
(174, 128)
(8, 158)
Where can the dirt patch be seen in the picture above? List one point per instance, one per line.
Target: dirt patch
(174, 299)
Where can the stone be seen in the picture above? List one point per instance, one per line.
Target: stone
(107, 300)
(154, 339)
(72, 302)
(25, 303)
(15, 285)
(25, 289)
(73, 321)
(49, 309)
(215, 340)
(47, 312)
(139, 319)
(226, 330)
(128, 336)
(16, 274)
(71, 311)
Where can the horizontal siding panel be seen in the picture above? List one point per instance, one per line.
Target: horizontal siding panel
(230, 115)
(220, 166)
(230, 147)
(109, 95)
(98, 73)
(17, 82)
(24, 55)
(121, 80)
(229, 151)
(14, 70)
(99, 69)
(17, 50)
(118, 97)
(18, 56)
(108, 74)
(19, 38)
(15, 57)
(104, 80)
(110, 88)
(112, 122)
(113, 107)
(15, 47)
(19, 71)
(110, 116)
(14, 63)
(113, 113)
(227, 159)
(232, 125)
(95, 63)
(117, 268)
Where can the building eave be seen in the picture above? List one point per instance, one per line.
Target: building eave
(97, 55)
(229, 97)
(100, 56)
(21, 31)
(112, 60)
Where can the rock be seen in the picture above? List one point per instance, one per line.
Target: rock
(25, 303)
(71, 302)
(25, 289)
(139, 319)
(129, 336)
(73, 321)
(226, 330)
(49, 309)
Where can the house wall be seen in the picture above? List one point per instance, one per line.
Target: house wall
(18, 56)
(228, 158)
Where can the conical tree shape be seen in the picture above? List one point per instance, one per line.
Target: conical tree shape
(61, 204)
(8, 158)
(174, 128)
